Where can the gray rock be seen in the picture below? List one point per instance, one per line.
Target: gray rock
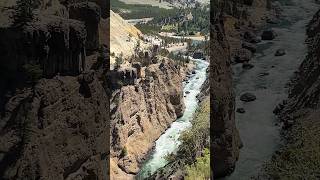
(242, 55)
(248, 97)
(247, 66)
(251, 37)
(280, 52)
(241, 110)
(268, 35)
(251, 47)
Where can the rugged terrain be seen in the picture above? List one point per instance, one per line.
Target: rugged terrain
(234, 35)
(54, 103)
(299, 114)
(141, 111)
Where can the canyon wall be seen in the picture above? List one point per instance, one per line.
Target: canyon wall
(304, 92)
(225, 140)
(234, 33)
(142, 109)
(54, 127)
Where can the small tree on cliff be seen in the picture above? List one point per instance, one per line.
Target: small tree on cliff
(24, 12)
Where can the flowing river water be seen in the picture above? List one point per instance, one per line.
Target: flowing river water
(267, 80)
(169, 141)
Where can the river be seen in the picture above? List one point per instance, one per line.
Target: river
(169, 141)
(267, 80)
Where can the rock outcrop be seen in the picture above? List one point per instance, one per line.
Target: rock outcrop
(90, 14)
(54, 127)
(57, 130)
(141, 111)
(57, 44)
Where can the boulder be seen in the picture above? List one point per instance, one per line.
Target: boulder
(251, 47)
(280, 52)
(268, 35)
(251, 37)
(198, 55)
(247, 66)
(242, 55)
(264, 74)
(241, 110)
(248, 97)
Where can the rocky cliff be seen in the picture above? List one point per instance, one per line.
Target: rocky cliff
(54, 127)
(234, 30)
(142, 110)
(299, 116)
(304, 92)
(225, 140)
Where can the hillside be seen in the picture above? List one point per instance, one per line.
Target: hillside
(123, 36)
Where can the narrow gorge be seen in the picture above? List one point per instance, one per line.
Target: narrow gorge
(275, 32)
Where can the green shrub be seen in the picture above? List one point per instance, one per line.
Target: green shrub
(201, 169)
(124, 152)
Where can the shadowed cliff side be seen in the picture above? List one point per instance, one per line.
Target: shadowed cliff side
(54, 100)
(225, 140)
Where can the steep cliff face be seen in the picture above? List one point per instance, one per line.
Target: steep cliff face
(233, 35)
(52, 40)
(304, 92)
(55, 127)
(225, 140)
(57, 130)
(141, 111)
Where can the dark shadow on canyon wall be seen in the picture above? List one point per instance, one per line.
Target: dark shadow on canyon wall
(54, 96)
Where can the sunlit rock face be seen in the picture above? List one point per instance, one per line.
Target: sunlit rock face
(142, 109)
